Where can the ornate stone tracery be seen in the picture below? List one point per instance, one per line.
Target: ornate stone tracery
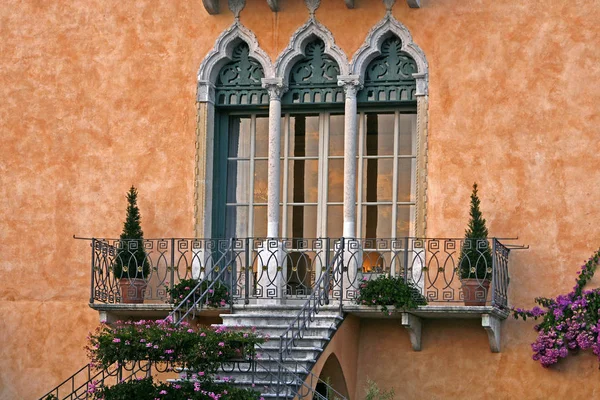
(239, 81)
(389, 77)
(314, 78)
(222, 54)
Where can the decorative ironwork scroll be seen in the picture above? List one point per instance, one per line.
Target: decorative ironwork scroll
(239, 81)
(313, 80)
(389, 77)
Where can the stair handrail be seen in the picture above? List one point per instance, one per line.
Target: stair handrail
(203, 295)
(312, 305)
(171, 315)
(298, 381)
(115, 370)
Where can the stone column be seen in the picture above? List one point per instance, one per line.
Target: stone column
(275, 88)
(352, 255)
(351, 85)
(272, 279)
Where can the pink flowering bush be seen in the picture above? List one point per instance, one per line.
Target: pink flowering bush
(146, 389)
(570, 322)
(162, 341)
(217, 296)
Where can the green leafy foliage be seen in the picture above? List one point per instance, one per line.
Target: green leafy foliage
(217, 296)
(146, 389)
(475, 260)
(162, 341)
(130, 260)
(390, 291)
(372, 392)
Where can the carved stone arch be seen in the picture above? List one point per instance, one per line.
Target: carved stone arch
(295, 50)
(222, 53)
(371, 49)
(332, 372)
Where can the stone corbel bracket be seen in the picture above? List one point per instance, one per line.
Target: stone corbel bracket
(491, 324)
(413, 324)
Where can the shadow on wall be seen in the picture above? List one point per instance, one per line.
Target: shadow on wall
(333, 374)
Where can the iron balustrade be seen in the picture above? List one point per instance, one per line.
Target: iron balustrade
(312, 271)
(261, 268)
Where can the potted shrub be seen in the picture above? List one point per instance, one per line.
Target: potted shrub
(390, 291)
(131, 266)
(475, 261)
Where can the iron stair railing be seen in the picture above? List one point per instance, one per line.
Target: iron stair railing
(298, 387)
(318, 298)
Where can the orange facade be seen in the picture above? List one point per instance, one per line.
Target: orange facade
(100, 95)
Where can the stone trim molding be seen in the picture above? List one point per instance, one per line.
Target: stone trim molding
(212, 6)
(221, 54)
(372, 45)
(295, 50)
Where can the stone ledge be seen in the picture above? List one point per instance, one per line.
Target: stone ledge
(491, 319)
(110, 313)
(428, 312)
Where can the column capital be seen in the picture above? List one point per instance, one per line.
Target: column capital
(205, 92)
(275, 87)
(350, 83)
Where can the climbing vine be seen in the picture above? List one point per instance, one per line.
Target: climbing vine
(569, 322)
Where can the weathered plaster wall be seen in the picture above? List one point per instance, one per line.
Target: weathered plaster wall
(345, 346)
(99, 95)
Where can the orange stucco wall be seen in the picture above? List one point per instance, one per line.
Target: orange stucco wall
(99, 95)
(345, 347)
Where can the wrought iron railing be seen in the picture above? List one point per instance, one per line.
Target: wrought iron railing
(285, 382)
(325, 288)
(260, 268)
(82, 384)
(297, 384)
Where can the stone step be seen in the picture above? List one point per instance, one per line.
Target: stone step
(265, 320)
(281, 308)
(274, 331)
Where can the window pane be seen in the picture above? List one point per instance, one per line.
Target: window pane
(379, 138)
(336, 135)
(261, 169)
(303, 181)
(236, 218)
(377, 182)
(377, 221)
(238, 181)
(261, 148)
(406, 167)
(405, 221)
(304, 137)
(260, 221)
(302, 221)
(335, 181)
(335, 221)
(239, 137)
(408, 132)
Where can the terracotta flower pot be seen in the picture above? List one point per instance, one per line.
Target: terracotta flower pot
(475, 291)
(132, 290)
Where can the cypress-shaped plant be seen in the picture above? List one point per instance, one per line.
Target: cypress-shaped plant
(130, 260)
(476, 257)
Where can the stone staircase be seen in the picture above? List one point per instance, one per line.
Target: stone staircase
(272, 321)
